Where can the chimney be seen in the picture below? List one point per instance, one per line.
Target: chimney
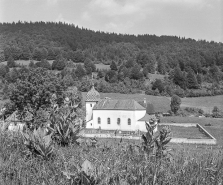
(145, 103)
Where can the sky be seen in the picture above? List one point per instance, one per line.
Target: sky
(197, 19)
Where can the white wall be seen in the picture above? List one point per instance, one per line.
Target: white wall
(89, 107)
(114, 115)
(90, 124)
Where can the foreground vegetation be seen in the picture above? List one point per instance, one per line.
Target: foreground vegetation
(119, 163)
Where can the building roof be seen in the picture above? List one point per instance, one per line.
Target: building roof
(93, 95)
(108, 104)
(150, 109)
(147, 117)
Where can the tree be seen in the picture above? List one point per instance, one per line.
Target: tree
(161, 66)
(136, 72)
(215, 73)
(59, 63)
(33, 90)
(215, 111)
(142, 58)
(158, 84)
(44, 64)
(78, 57)
(2, 56)
(3, 71)
(191, 80)
(178, 78)
(113, 66)
(11, 62)
(37, 54)
(175, 103)
(32, 64)
(100, 74)
(199, 79)
(68, 80)
(111, 76)
(130, 63)
(14, 75)
(89, 66)
(80, 72)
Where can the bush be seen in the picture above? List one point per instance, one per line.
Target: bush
(195, 111)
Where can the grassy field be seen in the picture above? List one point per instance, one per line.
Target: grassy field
(102, 66)
(153, 77)
(216, 128)
(204, 103)
(186, 132)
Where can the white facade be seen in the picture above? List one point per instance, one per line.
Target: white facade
(108, 120)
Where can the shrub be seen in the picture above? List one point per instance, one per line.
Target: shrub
(39, 143)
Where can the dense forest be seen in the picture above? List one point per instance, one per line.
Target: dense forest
(189, 67)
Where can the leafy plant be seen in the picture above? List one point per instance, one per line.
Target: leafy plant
(162, 141)
(148, 143)
(39, 143)
(155, 144)
(64, 124)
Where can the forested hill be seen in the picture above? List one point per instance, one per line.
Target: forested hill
(46, 40)
(191, 68)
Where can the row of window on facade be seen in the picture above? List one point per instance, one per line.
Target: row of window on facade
(118, 121)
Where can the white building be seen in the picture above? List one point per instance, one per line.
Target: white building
(109, 114)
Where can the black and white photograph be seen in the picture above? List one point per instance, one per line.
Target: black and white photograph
(111, 92)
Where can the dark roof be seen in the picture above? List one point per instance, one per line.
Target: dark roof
(108, 104)
(93, 95)
(150, 109)
(147, 117)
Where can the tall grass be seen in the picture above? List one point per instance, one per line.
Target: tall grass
(122, 163)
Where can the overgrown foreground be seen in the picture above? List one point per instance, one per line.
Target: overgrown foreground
(120, 163)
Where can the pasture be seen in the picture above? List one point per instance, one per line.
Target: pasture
(205, 103)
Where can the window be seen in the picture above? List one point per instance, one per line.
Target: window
(99, 120)
(109, 120)
(118, 121)
(129, 121)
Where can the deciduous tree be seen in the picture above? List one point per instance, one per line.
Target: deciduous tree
(33, 90)
(175, 103)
